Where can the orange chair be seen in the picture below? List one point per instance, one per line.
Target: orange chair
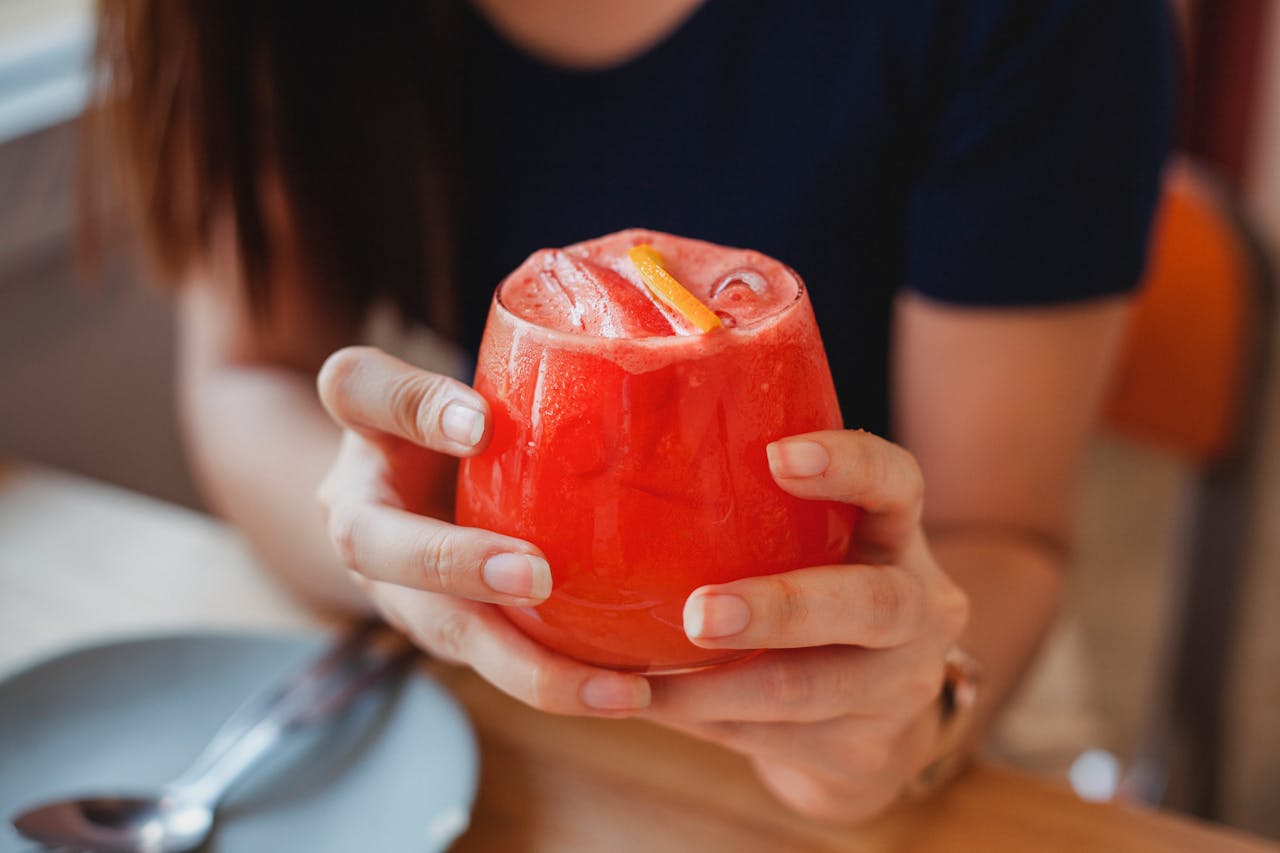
(1191, 382)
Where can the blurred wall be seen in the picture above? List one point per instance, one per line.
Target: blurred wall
(85, 368)
(1263, 185)
(1255, 732)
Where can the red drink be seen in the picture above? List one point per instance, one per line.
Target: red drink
(630, 447)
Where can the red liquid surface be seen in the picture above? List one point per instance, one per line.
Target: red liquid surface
(630, 448)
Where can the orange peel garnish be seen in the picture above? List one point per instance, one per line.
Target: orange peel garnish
(672, 293)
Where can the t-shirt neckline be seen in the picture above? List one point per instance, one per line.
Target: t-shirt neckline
(668, 43)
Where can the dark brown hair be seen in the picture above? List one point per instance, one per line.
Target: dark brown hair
(347, 108)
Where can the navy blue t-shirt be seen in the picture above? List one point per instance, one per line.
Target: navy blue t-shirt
(980, 152)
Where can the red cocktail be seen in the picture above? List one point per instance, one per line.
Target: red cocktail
(630, 446)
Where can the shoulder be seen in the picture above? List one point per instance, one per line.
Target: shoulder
(1039, 141)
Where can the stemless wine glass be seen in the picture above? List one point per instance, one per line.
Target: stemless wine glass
(637, 464)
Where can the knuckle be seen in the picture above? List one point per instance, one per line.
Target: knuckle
(448, 636)
(890, 601)
(785, 685)
(884, 601)
(336, 374)
(414, 404)
(404, 398)
(790, 607)
(873, 468)
(437, 556)
(890, 475)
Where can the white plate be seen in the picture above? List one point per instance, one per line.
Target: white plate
(397, 774)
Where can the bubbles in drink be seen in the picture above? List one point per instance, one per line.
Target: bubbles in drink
(739, 285)
(594, 288)
(582, 444)
(742, 297)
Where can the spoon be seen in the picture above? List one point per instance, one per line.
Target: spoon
(181, 816)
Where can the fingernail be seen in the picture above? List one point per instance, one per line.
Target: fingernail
(709, 616)
(523, 575)
(612, 692)
(462, 424)
(797, 458)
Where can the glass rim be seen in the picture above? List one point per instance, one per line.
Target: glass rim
(651, 340)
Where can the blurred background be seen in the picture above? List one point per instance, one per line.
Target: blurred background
(86, 386)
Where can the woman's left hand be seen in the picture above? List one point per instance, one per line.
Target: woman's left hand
(840, 713)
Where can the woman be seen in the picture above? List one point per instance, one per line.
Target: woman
(966, 189)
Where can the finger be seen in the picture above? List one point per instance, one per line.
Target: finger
(805, 685)
(828, 798)
(858, 468)
(479, 636)
(817, 792)
(848, 747)
(359, 474)
(388, 544)
(366, 389)
(868, 781)
(874, 606)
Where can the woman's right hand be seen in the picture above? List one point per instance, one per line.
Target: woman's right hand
(388, 496)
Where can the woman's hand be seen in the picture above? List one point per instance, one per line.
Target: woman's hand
(840, 713)
(836, 716)
(388, 494)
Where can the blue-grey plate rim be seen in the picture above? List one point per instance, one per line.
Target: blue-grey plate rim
(446, 827)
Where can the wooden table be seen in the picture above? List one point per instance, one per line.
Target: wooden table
(82, 562)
